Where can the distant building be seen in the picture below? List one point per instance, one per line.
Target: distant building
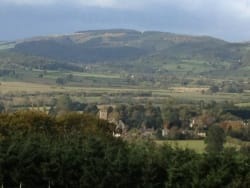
(233, 125)
(202, 134)
(165, 132)
(103, 114)
(106, 113)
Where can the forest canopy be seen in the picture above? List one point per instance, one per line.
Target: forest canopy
(78, 150)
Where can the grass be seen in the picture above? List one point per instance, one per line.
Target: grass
(247, 104)
(199, 145)
(189, 94)
(189, 65)
(196, 145)
(5, 46)
(7, 86)
(111, 86)
(95, 75)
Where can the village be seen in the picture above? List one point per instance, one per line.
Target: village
(194, 128)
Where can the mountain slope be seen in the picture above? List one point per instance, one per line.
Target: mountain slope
(108, 45)
(148, 51)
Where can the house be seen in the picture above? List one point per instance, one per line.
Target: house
(202, 134)
(106, 112)
(233, 125)
(165, 132)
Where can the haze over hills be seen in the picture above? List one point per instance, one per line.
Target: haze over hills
(148, 51)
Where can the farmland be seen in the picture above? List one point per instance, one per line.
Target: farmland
(135, 93)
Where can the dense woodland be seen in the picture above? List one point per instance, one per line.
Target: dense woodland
(78, 150)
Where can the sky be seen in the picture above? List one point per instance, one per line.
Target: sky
(225, 19)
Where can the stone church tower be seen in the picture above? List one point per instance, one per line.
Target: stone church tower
(103, 113)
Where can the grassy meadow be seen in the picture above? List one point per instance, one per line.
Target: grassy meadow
(199, 145)
(196, 145)
(159, 95)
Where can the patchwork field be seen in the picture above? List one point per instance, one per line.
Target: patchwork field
(129, 92)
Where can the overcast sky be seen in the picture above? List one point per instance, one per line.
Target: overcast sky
(226, 19)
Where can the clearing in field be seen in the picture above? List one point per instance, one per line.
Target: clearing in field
(199, 145)
(196, 145)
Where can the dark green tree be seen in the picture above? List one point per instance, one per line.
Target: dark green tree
(2, 108)
(63, 104)
(215, 139)
(60, 81)
(214, 89)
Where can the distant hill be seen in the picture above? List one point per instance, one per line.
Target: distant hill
(108, 45)
(150, 50)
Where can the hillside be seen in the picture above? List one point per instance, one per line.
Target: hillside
(132, 51)
(108, 45)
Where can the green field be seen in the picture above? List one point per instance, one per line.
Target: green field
(4, 46)
(96, 75)
(105, 87)
(94, 93)
(199, 145)
(247, 104)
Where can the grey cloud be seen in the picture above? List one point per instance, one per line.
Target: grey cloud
(227, 19)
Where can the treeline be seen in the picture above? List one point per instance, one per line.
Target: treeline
(77, 150)
(91, 51)
(25, 122)
(185, 121)
(138, 116)
(228, 87)
(180, 120)
(6, 72)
